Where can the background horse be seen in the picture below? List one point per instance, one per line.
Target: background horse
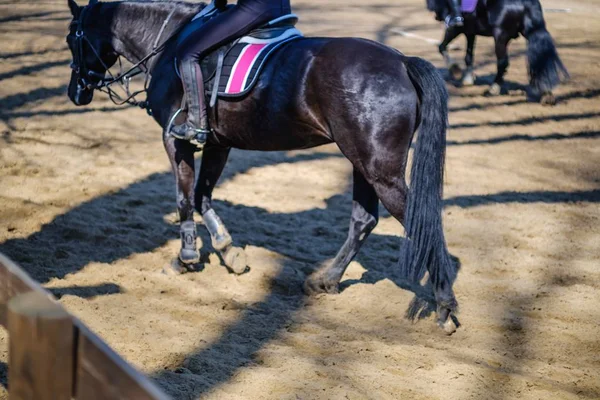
(506, 20)
(367, 98)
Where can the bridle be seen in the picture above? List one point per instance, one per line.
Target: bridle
(122, 79)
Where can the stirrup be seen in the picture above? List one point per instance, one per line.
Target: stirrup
(199, 140)
(454, 21)
(196, 136)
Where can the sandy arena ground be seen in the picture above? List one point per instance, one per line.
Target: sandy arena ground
(87, 208)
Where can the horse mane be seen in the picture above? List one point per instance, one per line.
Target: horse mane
(139, 15)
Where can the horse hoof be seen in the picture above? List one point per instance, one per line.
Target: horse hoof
(548, 99)
(188, 256)
(176, 267)
(316, 284)
(468, 79)
(455, 71)
(447, 321)
(236, 260)
(449, 327)
(494, 90)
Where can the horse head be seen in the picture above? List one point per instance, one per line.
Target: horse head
(92, 53)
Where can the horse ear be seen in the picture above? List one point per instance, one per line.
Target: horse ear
(73, 7)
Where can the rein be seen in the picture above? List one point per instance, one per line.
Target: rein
(123, 78)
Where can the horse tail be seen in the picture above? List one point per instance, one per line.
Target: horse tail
(546, 70)
(425, 244)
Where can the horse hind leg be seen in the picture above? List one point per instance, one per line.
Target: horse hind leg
(453, 68)
(365, 215)
(501, 40)
(432, 294)
(468, 78)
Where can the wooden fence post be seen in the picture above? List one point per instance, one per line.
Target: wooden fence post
(41, 348)
(102, 374)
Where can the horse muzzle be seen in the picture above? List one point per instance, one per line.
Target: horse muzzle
(81, 95)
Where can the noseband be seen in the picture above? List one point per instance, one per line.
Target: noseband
(104, 84)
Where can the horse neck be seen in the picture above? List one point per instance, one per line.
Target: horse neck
(135, 26)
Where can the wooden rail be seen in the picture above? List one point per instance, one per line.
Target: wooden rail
(52, 355)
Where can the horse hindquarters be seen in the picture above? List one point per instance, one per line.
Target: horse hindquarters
(546, 70)
(374, 123)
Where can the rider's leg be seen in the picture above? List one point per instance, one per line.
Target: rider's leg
(455, 18)
(196, 125)
(191, 48)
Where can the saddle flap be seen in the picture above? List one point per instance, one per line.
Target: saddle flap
(244, 59)
(468, 6)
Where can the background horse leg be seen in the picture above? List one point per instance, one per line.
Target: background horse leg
(365, 215)
(181, 156)
(453, 67)
(468, 78)
(501, 42)
(213, 161)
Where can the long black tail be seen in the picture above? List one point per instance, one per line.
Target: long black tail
(546, 70)
(425, 245)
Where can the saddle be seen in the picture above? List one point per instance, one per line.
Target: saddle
(233, 69)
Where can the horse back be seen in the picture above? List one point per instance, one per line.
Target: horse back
(506, 15)
(315, 89)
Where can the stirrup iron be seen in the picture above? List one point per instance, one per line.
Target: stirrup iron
(195, 136)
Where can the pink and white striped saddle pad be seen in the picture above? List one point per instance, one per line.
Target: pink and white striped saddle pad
(243, 62)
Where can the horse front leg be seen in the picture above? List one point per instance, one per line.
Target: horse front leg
(501, 46)
(453, 67)
(213, 162)
(468, 78)
(181, 156)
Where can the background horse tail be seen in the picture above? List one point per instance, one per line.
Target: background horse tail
(425, 245)
(546, 70)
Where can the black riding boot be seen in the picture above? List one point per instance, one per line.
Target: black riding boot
(195, 128)
(455, 18)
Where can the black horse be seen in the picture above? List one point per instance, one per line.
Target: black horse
(367, 98)
(506, 20)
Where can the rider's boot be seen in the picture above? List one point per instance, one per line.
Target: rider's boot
(455, 18)
(195, 128)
